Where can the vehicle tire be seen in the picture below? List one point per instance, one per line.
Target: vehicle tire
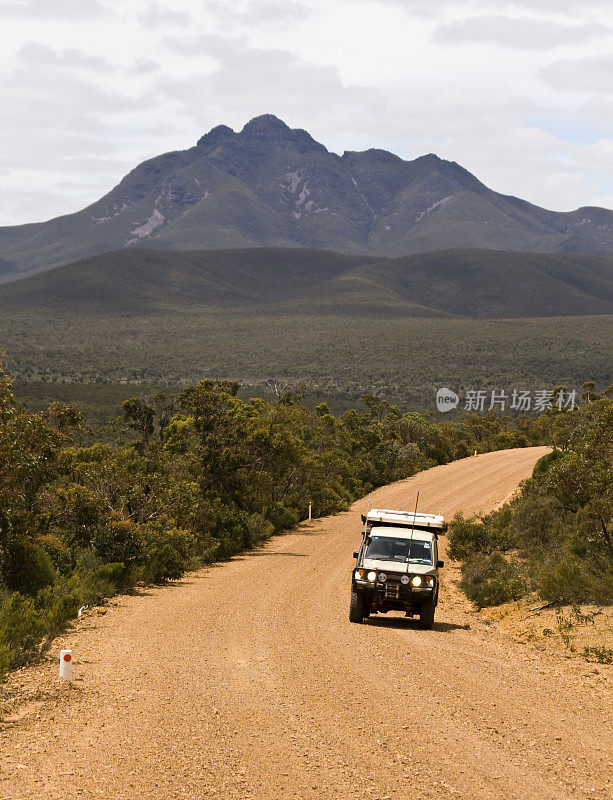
(356, 609)
(426, 616)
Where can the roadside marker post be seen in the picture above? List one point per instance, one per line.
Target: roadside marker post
(66, 664)
(310, 508)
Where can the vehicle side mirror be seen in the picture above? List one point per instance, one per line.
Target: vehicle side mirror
(355, 555)
(440, 564)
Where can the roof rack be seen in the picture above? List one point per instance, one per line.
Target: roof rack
(405, 519)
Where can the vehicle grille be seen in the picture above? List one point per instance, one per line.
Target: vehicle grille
(392, 590)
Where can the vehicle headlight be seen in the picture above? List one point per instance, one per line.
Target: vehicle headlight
(382, 577)
(404, 579)
(430, 582)
(359, 574)
(416, 581)
(372, 576)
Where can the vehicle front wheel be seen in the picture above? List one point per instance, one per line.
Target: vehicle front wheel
(426, 616)
(356, 609)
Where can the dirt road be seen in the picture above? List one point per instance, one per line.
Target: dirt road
(247, 680)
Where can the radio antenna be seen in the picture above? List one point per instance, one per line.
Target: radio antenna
(414, 515)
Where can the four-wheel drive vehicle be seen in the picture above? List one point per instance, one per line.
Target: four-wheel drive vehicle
(397, 565)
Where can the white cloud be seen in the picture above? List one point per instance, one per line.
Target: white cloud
(267, 12)
(553, 6)
(524, 33)
(591, 75)
(144, 67)
(89, 88)
(469, 6)
(32, 202)
(52, 9)
(156, 14)
(64, 122)
(41, 55)
(244, 82)
(598, 154)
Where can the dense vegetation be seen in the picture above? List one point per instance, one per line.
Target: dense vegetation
(345, 325)
(340, 357)
(556, 536)
(469, 283)
(179, 481)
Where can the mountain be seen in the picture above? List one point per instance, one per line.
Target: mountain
(465, 283)
(269, 185)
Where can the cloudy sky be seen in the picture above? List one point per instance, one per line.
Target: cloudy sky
(520, 92)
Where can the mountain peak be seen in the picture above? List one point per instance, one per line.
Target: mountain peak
(372, 155)
(216, 135)
(265, 123)
(267, 128)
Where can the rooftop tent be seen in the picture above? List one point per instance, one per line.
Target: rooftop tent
(405, 519)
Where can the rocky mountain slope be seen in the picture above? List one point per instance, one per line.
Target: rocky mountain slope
(269, 185)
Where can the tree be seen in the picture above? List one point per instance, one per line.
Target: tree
(139, 416)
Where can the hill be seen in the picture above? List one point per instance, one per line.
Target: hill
(269, 185)
(468, 283)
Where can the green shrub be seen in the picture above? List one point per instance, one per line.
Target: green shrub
(508, 439)
(109, 578)
(5, 661)
(164, 564)
(572, 579)
(57, 605)
(282, 517)
(256, 529)
(27, 568)
(232, 528)
(230, 542)
(488, 580)
(22, 628)
(93, 580)
(119, 541)
(536, 523)
(469, 537)
(544, 462)
(62, 556)
(169, 551)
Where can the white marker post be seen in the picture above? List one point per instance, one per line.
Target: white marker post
(475, 452)
(66, 665)
(310, 508)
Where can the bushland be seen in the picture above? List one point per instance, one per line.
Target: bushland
(178, 481)
(555, 537)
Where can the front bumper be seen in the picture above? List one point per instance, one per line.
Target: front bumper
(393, 589)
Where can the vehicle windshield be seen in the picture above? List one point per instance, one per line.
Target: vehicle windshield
(388, 548)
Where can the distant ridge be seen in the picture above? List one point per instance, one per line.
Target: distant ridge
(270, 185)
(466, 283)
